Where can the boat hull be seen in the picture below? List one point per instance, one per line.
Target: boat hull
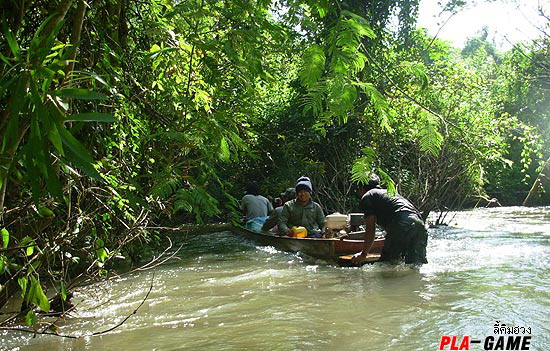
(323, 248)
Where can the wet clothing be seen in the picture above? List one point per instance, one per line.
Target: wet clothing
(310, 216)
(256, 206)
(406, 235)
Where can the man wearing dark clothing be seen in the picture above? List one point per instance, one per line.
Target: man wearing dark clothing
(406, 235)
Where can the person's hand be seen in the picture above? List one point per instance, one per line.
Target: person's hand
(359, 258)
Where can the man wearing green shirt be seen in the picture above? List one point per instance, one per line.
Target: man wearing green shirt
(302, 211)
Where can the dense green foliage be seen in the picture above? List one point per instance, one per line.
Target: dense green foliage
(118, 116)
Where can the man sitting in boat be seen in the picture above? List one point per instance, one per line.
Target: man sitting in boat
(256, 207)
(302, 212)
(273, 219)
(406, 235)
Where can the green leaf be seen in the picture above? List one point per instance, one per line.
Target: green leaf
(74, 145)
(313, 66)
(91, 117)
(224, 150)
(63, 291)
(30, 250)
(30, 319)
(322, 8)
(23, 283)
(82, 94)
(379, 103)
(43, 211)
(5, 60)
(29, 242)
(40, 298)
(12, 41)
(387, 181)
(100, 251)
(55, 138)
(5, 238)
(2, 266)
(429, 137)
(360, 24)
(363, 166)
(418, 70)
(53, 184)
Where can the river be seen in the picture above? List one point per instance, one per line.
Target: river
(488, 265)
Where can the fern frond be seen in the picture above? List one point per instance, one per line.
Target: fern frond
(313, 66)
(196, 201)
(361, 170)
(429, 137)
(360, 24)
(363, 166)
(379, 103)
(225, 154)
(165, 185)
(341, 98)
(314, 98)
(418, 70)
(386, 180)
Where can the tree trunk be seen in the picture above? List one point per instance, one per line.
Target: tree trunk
(75, 33)
(59, 15)
(123, 25)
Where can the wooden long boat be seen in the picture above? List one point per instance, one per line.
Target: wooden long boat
(332, 250)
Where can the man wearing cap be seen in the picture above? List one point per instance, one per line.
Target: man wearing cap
(406, 234)
(273, 219)
(302, 211)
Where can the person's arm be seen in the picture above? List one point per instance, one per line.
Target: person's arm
(271, 221)
(269, 207)
(243, 204)
(283, 220)
(320, 219)
(370, 226)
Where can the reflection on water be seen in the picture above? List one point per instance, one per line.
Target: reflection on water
(227, 294)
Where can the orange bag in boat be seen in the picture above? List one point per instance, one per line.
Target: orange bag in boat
(298, 232)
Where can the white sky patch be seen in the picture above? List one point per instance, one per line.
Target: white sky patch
(509, 22)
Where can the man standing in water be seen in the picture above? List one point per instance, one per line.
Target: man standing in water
(406, 234)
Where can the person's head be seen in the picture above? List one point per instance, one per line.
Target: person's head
(303, 190)
(374, 182)
(253, 188)
(289, 194)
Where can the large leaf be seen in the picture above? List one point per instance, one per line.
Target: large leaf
(82, 94)
(74, 145)
(91, 117)
(39, 297)
(12, 42)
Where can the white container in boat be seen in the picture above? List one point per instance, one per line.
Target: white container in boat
(336, 221)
